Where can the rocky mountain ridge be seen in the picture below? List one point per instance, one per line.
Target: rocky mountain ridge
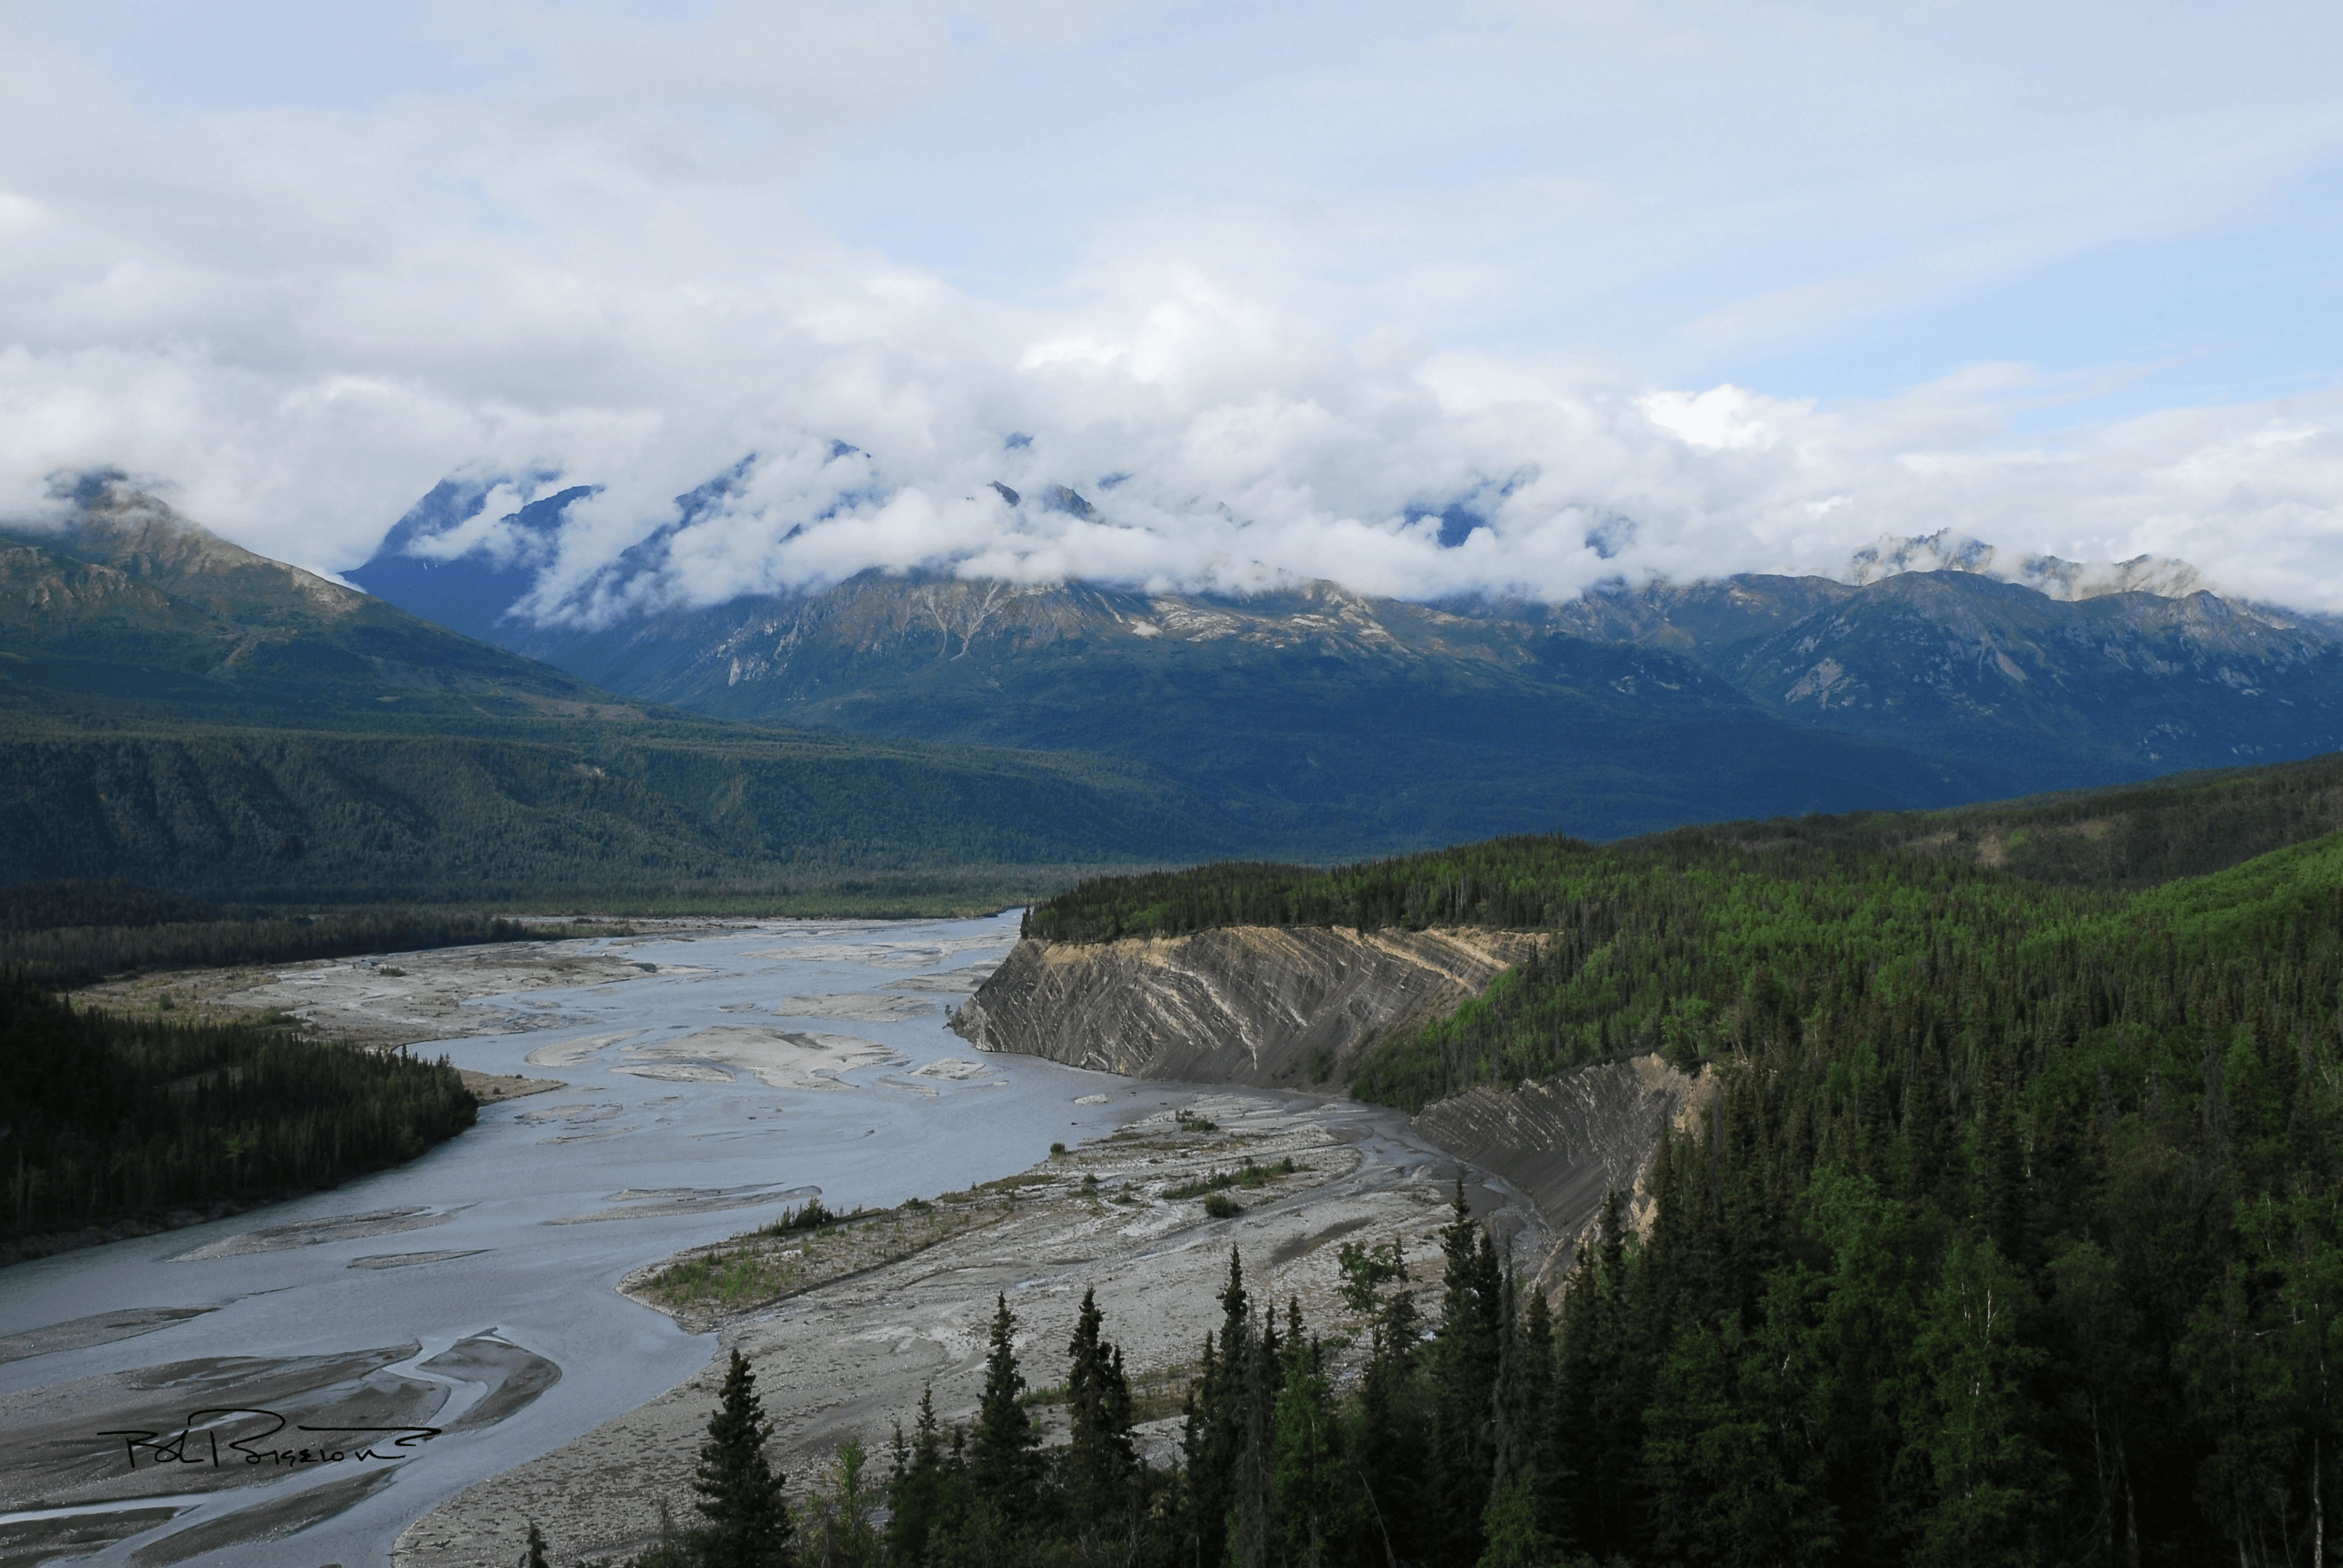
(1962, 676)
(130, 601)
(188, 715)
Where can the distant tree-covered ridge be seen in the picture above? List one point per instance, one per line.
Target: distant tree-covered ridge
(2130, 836)
(111, 901)
(576, 810)
(109, 1116)
(67, 934)
(179, 713)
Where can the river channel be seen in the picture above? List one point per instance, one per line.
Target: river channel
(741, 1069)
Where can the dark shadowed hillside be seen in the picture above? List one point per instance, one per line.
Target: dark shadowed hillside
(188, 716)
(1336, 722)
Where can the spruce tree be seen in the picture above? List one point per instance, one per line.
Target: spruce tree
(1195, 1446)
(1390, 1442)
(1538, 1436)
(1254, 1533)
(920, 1490)
(2001, 1167)
(1509, 1429)
(1465, 1353)
(748, 1523)
(1004, 1465)
(1219, 1424)
(1602, 1419)
(1101, 1466)
(1316, 1505)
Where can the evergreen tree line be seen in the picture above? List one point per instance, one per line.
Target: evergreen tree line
(1276, 1464)
(46, 906)
(580, 811)
(67, 955)
(2132, 837)
(104, 1116)
(2013, 1234)
(1848, 1336)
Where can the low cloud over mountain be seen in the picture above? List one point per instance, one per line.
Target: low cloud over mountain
(1689, 318)
(542, 550)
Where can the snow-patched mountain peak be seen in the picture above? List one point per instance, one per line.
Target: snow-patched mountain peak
(2071, 581)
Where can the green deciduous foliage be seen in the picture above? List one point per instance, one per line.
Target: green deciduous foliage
(838, 1531)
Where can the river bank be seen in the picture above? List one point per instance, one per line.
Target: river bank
(852, 1359)
(705, 1078)
(711, 1076)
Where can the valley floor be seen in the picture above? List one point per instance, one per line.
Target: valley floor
(850, 1359)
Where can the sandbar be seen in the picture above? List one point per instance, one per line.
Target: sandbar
(571, 1053)
(315, 1232)
(961, 981)
(852, 1357)
(784, 1058)
(857, 1007)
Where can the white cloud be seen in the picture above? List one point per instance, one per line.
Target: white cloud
(610, 266)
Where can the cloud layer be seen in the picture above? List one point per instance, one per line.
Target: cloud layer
(627, 262)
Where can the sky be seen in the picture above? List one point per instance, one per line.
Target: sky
(1508, 298)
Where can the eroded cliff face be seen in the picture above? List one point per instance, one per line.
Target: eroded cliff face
(1569, 1141)
(1261, 1005)
(1249, 1004)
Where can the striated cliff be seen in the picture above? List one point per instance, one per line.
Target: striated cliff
(1569, 1141)
(1282, 1006)
(1251, 1004)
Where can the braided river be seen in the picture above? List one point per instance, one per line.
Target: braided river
(469, 1295)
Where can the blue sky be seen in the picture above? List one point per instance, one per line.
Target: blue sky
(2066, 278)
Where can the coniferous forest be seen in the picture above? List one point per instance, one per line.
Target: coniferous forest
(104, 1116)
(71, 932)
(2014, 1235)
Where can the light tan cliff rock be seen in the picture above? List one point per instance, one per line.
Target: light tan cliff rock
(1249, 1004)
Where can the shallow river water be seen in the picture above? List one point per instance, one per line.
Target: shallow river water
(752, 1068)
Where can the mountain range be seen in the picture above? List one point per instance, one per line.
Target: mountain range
(185, 714)
(192, 715)
(1334, 723)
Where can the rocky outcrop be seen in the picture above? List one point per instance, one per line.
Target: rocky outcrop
(1283, 1007)
(1263, 1005)
(1569, 1141)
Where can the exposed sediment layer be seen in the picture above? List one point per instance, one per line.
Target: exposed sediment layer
(1568, 1141)
(852, 1357)
(1250, 1004)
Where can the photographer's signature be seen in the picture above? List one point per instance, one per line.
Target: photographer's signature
(204, 1440)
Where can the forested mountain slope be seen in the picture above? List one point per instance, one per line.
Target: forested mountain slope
(1332, 723)
(2135, 835)
(1623, 710)
(132, 608)
(2014, 1233)
(659, 815)
(185, 715)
